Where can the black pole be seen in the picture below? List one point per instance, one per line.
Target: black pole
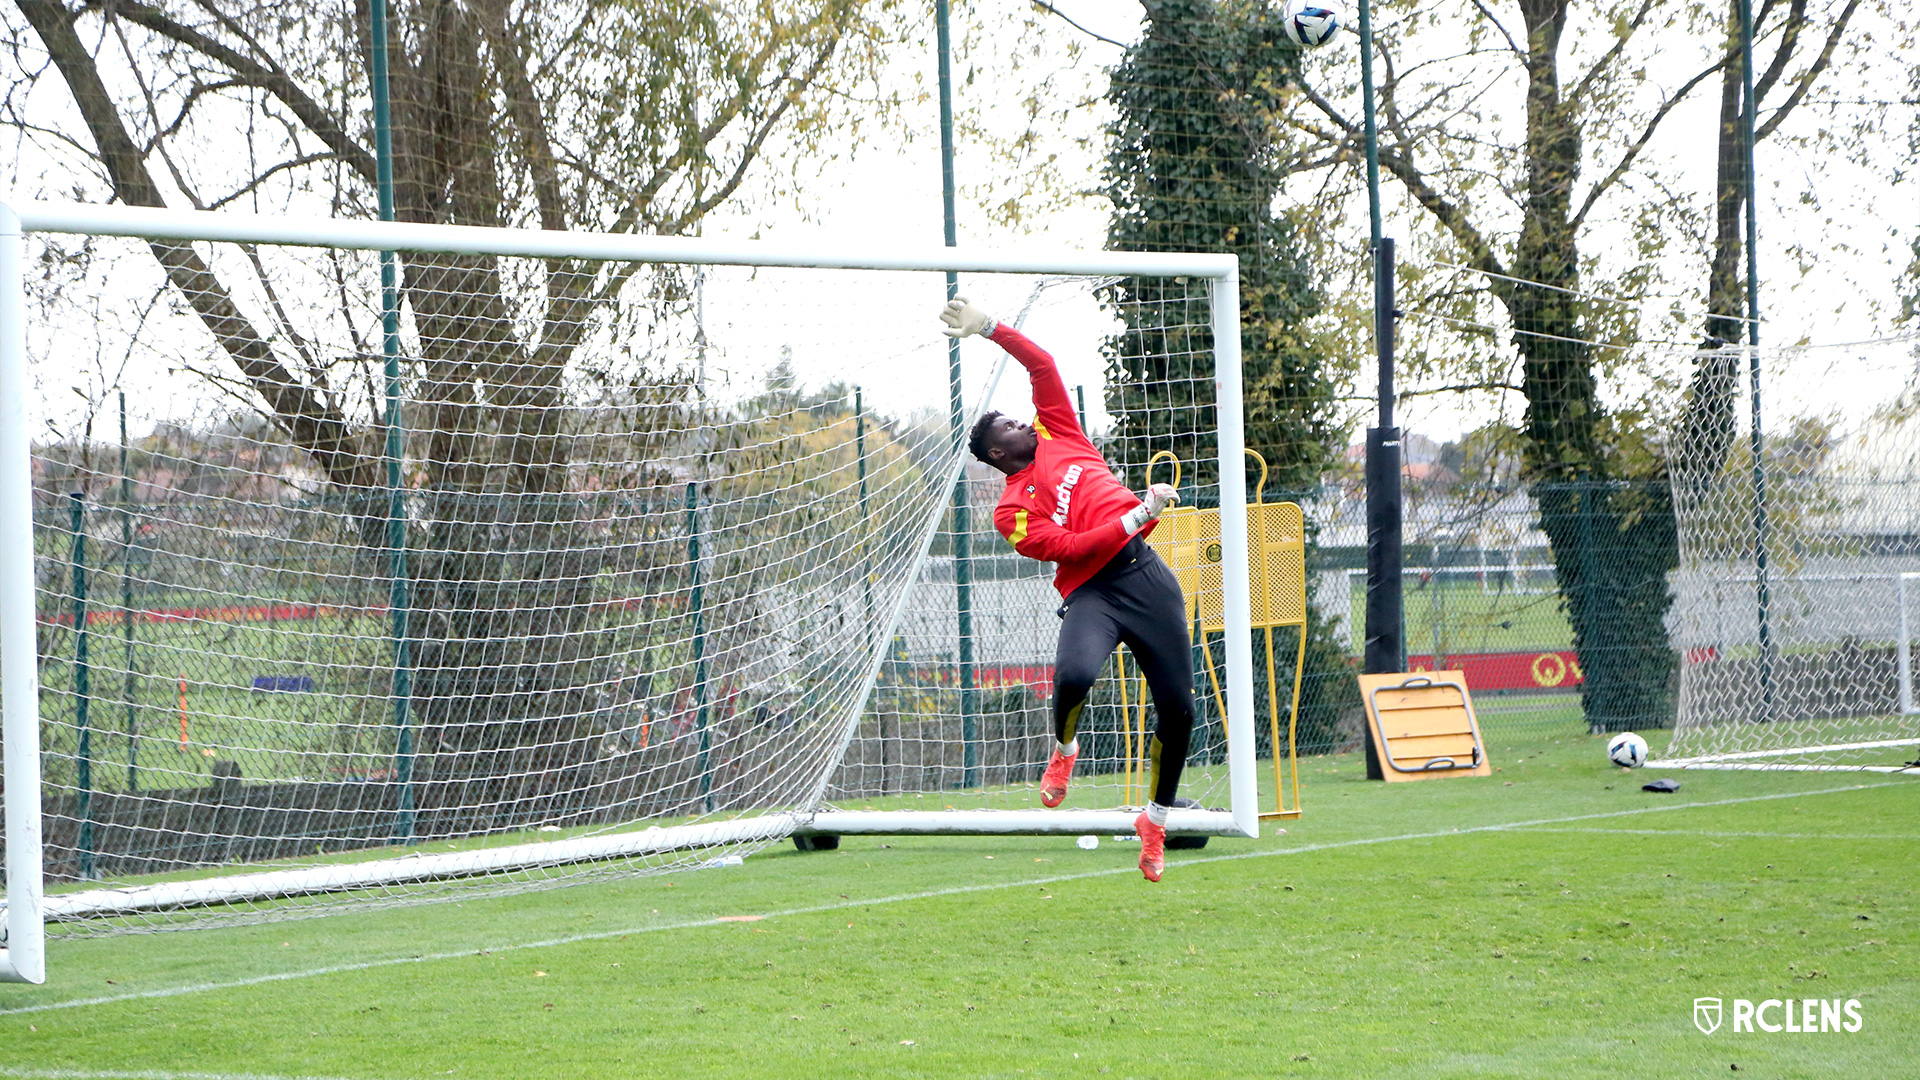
(82, 683)
(962, 518)
(126, 599)
(1372, 128)
(1386, 640)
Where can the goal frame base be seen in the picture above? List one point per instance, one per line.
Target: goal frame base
(1754, 760)
(446, 866)
(1111, 822)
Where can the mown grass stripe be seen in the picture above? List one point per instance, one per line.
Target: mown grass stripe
(958, 890)
(141, 1075)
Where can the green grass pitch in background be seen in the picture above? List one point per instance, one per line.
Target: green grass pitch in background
(1552, 920)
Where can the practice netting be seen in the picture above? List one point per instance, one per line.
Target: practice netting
(1798, 591)
(668, 571)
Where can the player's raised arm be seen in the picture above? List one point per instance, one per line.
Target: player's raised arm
(1050, 400)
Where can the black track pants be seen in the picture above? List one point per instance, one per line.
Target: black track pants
(1137, 601)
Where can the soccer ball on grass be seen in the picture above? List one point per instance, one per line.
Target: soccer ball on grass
(1627, 750)
(1310, 23)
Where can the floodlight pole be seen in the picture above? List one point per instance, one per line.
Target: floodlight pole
(1366, 107)
(1385, 630)
(956, 414)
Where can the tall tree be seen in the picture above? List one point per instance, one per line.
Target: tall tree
(1195, 163)
(1791, 52)
(594, 114)
(1522, 206)
(1535, 274)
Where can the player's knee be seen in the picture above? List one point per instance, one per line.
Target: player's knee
(1072, 680)
(1176, 717)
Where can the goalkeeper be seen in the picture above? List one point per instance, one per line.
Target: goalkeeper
(1062, 505)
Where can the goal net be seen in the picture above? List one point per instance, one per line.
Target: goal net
(610, 555)
(1795, 599)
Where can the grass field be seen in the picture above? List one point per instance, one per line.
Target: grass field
(1553, 920)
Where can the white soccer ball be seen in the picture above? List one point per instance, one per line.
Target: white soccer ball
(1627, 750)
(1311, 23)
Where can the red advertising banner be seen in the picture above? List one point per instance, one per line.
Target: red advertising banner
(1554, 669)
(1038, 677)
(1551, 670)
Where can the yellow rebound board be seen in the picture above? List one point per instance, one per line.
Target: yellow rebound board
(1422, 725)
(1188, 540)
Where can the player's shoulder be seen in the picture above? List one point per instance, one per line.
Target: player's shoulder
(1020, 487)
(1020, 492)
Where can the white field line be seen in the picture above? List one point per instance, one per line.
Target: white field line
(1904, 838)
(931, 894)
(143, 1074)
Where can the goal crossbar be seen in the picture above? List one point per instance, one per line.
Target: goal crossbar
(22, 952)
(146, 223)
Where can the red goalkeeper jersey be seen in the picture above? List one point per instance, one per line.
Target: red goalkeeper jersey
(1065, 508)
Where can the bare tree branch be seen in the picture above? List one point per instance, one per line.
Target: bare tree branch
(1807, 78)
(1461, 388)
(336, 448)
(529, 123)
(271, 79)
(1451, 215)
(1051, 10)
(1498, 25)
(1580, 89)
(1646, 135)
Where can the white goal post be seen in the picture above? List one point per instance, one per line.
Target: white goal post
(29, 908)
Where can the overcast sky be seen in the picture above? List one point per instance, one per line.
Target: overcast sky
(1833, 237)
(890, 194)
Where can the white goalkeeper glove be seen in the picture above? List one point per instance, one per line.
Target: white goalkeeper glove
(963, 318)
(1159, 497)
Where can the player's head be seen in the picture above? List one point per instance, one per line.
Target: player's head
(1003, 442)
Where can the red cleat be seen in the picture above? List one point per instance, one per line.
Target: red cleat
(1053, 782)
(1153, 846)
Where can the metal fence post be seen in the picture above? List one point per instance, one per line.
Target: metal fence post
(82, 684)
(695, 607)
(126, 601)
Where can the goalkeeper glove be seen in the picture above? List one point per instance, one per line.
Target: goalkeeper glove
(1159, 497)
(963, 318)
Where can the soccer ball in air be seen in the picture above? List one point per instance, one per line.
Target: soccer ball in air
(1310, 24)
(1627, 750)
